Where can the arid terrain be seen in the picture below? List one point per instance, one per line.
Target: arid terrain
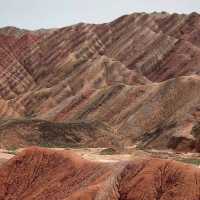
(124, 96)
(136, 76)
(38, 173)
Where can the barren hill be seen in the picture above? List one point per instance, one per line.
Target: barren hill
(46, 174)
(139, 75)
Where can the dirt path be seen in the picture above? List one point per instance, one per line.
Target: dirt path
(95, 154)
(4, 156)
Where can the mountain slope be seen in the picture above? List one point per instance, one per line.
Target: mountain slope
(138, 74)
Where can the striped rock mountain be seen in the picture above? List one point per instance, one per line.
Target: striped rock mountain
(138, 76)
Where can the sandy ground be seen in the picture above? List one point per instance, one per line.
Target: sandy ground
(4, 156)
(94, 154)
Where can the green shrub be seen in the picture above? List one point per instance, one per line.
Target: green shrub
(12, 150)
(193, 161)
(108, 151)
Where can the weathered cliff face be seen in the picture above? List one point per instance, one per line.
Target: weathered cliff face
(139, 74)
(45, 174)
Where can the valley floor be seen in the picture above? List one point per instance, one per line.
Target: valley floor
(107, 156)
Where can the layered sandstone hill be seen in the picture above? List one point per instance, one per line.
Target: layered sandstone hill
(44, 174)
(138, 74)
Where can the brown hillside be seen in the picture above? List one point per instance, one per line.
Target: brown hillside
(15, 133)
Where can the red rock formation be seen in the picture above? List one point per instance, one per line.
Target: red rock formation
(44, 174)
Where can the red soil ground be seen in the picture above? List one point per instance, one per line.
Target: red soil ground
(42, 174)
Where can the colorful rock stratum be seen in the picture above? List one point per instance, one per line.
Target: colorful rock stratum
(132, 81)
